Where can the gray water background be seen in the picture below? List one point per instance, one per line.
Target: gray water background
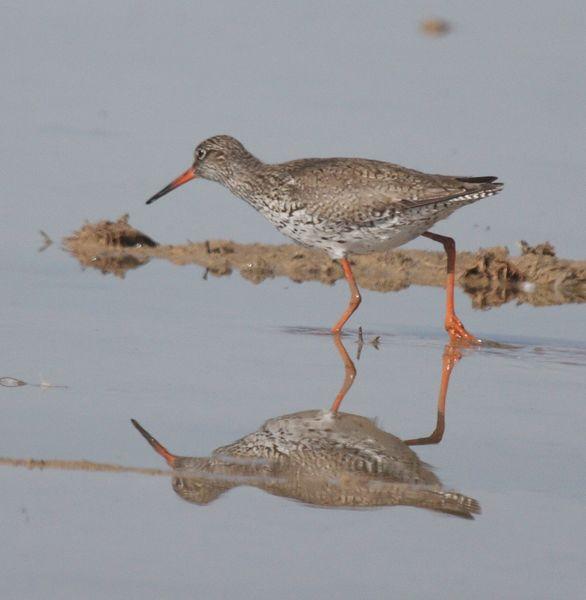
(101, 106)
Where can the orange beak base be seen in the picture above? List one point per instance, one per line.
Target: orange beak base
(183, 178)
(159, 448)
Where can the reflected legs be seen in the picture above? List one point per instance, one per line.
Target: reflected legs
(450, 357)
(349, 373)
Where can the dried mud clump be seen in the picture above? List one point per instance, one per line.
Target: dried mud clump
(491, 276)
(116, 265)
(111, 234)
(257, 271)
(536, 277)
(492, 280)
(492, 268)
(104, 246)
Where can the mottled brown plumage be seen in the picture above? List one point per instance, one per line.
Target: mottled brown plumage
(342, 205)
(321, 458)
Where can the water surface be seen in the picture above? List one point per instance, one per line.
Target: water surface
(102, 105)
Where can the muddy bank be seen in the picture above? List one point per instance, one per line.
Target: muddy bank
(75, 465)
(491, 276)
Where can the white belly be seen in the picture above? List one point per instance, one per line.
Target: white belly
(339, 242)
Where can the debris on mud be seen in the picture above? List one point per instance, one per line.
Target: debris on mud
(545, 249)
(491, 276)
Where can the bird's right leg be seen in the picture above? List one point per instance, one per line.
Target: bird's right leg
(453, 325)
(355, 297)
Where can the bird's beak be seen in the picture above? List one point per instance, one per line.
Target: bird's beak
(159, 448)
(183, 178)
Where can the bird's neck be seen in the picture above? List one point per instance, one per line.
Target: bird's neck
(247, 178)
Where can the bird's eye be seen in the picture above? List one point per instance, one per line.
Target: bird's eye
(201, 153)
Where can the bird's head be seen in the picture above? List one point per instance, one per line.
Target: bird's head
(216, 159)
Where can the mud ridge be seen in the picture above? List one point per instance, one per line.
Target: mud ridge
(491, 276)
(76, 465)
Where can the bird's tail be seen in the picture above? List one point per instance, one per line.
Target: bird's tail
(452, 503)
(483, 186)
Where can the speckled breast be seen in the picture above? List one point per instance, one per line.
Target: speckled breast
(341, 238)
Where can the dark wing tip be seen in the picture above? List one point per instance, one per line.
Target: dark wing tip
(485, 179)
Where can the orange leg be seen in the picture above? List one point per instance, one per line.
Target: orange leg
(454, 326)
(349, 373)
(355, 297)
(450, 357)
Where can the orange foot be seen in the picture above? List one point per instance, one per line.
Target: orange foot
(458, 333)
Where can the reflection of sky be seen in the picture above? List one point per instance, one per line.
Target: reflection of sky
(101, 106)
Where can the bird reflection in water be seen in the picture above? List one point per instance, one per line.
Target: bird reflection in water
(324, 458)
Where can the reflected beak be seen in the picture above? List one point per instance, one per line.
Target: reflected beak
(183, 178)
(159, 448)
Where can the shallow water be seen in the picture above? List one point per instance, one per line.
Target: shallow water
(201, 363)
(96, 121)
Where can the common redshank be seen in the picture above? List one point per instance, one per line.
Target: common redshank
(344, 206)
(325, 458)
(317, 457)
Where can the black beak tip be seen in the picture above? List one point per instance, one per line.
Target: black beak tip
(140, 428)
(161, 193)
(183, 178)
(157, 196)
(148, 437)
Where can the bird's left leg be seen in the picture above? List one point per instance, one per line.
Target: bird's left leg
(454, 326)
(355, 297)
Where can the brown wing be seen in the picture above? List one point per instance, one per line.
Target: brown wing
(367, 189)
